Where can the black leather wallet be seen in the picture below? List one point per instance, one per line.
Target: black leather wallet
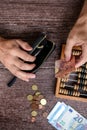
(42, 48)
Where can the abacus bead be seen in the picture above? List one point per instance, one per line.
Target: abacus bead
(76, 87)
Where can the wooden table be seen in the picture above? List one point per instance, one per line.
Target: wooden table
(25, 19)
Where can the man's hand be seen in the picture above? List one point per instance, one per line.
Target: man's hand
(78, 37)
(12, 55)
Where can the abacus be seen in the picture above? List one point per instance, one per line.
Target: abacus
(73, 86)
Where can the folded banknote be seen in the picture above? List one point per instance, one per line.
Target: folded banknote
(64, 117)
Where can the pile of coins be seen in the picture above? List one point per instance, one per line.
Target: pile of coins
(37, 103)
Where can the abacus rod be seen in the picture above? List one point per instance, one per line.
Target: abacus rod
(73, 93)
(82, 70)
(82, 80)
(72, 87)
(73, 73)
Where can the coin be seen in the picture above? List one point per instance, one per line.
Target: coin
(43, 101)
(34, 106)
(41, 97)
(35, 101)
(30, 97)
(34, 113)
(40, 106)
(36, 97)
(34, 87)
(37, 93)
(45, 114)
(33, 119)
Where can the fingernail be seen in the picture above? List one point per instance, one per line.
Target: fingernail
(30, 48)
(27, 80)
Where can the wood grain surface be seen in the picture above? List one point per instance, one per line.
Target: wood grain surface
(25, 19)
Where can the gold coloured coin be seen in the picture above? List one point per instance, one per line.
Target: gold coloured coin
(30, 97)
(43, 101)
(37, 93)
(34, 87)
(34, 113)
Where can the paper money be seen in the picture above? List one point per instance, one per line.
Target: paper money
(64, 117)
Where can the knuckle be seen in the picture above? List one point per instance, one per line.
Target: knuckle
(21, 66)
(16, 72)
(31, 67)
(23, 76)
(31, 58)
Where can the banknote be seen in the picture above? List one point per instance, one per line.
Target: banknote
(55, 114)
(56, 108)
(72, 120)
(64, 117)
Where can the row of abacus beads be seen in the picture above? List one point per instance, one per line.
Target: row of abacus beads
(68, 92)
(79, 75)
(72, 93)
(82, 70)
(75, 87)
(76, 52)
(79, 81)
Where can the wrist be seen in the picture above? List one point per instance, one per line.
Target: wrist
(84, 9)
(82, 19)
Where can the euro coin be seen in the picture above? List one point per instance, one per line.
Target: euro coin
(35, 102)
(33, 119)
(37, 93)
(30, 97)
(43, 101)
(34, 106)
(40, 106)
(34, 87)
(34, 113)
(36, 97)
(41, 97)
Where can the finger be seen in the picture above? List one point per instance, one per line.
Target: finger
(83, 58)
(24, 45)
(20, 74)
(22, 54)
(23, 66)
(80, 62)
(68, 48)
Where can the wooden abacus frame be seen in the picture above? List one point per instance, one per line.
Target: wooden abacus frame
(57, 94)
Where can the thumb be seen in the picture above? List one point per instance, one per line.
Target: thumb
(68, 48)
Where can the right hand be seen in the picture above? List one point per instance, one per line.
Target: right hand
(13, 57)
(78, 37)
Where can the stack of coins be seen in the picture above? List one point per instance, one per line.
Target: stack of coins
(37, 103)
